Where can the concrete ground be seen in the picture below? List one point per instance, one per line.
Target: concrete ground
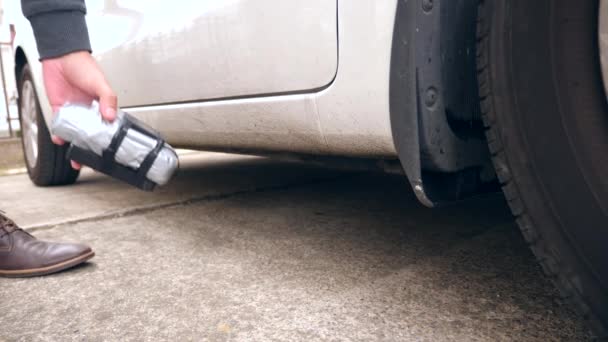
(249, 249)
(11, 156)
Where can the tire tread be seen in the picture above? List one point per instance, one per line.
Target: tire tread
(548, 259)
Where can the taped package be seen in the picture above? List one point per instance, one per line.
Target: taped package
(84, 127)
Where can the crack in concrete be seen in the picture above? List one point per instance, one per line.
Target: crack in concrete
(189, 201)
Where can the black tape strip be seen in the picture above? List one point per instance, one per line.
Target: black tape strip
(117, 171)
(145, 166)
(141, 127)
(110, 152)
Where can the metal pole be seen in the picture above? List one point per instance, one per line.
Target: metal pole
(8, 113)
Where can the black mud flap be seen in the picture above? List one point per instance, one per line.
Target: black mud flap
(433, 84)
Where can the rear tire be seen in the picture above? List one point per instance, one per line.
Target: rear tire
(46, 162)
(546, 114)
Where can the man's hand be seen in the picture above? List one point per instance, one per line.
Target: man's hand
(76, 78)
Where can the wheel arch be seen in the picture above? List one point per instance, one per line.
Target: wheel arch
(20, 62)
(23, 58)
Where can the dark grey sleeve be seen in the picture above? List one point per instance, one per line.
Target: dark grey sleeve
(59, 26)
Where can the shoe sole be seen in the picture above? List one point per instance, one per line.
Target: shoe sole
(33, 272)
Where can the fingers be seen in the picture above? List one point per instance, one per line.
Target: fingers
(108, 104)
(75, 165)
(82, 72)
(57, 140)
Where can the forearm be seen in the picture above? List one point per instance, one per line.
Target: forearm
(59, 26)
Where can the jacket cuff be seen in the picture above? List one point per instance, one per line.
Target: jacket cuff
(59, 33)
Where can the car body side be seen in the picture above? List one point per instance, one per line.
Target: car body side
(370, 106)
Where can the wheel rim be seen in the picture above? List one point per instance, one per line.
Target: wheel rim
(603, 36)
(29, 122)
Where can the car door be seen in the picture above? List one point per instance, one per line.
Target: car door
(161, 52)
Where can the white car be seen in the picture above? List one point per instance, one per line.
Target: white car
(436, 88)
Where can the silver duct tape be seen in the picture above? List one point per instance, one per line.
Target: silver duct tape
(84, 127)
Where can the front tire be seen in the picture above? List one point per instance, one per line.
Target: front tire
(546, 114)
(46, 162)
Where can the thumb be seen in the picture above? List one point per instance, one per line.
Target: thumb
(108, 102)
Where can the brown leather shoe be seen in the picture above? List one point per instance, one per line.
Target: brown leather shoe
(22, 255)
